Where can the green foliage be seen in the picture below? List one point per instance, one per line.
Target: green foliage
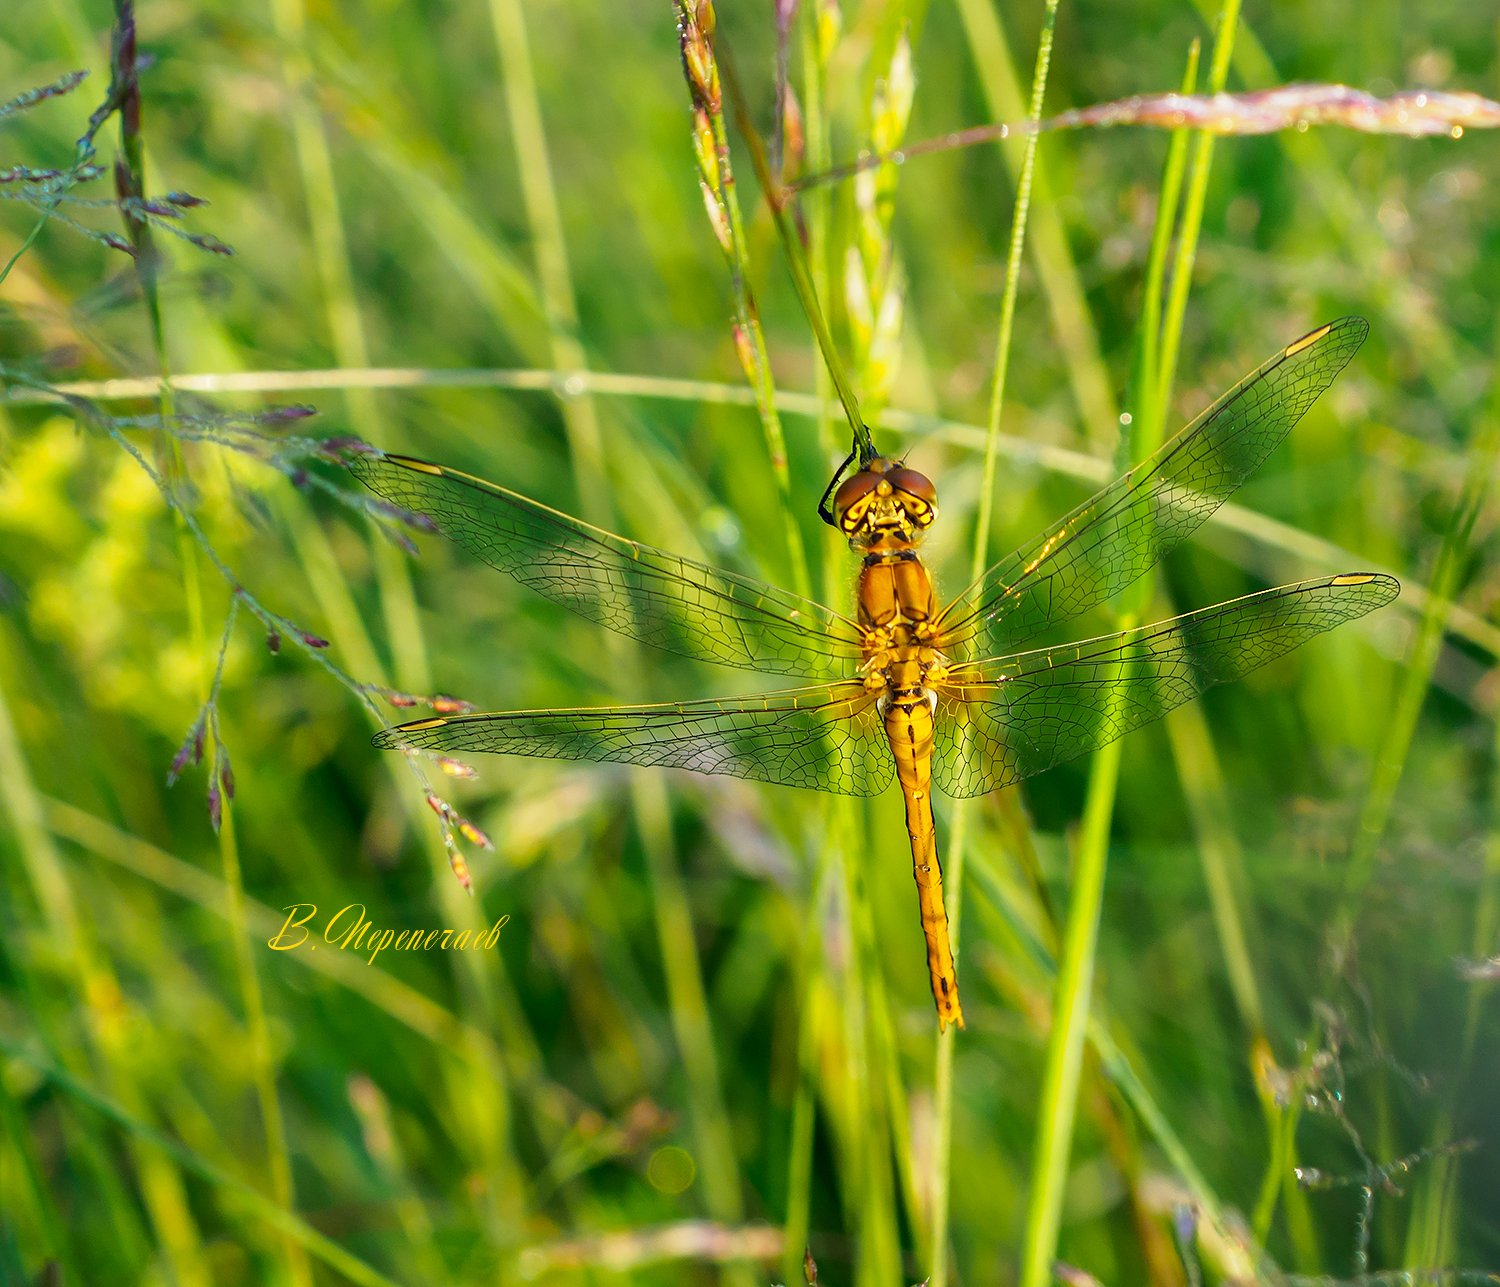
(478, 234)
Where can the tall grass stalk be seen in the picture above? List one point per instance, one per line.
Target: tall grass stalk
(943, 1075)
(676, 939)
(145, 1138)
(1192, 214)
(299, 1270)
(809, 971)
(1193, 750)
(1061, 1078)
(1416, 675)
(1058, 276)
(105, 1052)
(867, 1142)
(165, 1193)
(696, 23)
(870, 1096)
(351, 348)
(483, 1057)
(1430, 1237)
(320, 191)
(342, 313)
(1124, 1067)
(799, 261)
(488, 1118)
(1120, 1064)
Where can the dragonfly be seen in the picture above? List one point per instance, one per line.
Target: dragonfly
(953, 696)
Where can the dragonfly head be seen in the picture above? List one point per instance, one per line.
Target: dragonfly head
(885, 500)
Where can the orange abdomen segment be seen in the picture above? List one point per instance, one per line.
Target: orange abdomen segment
(909, 728)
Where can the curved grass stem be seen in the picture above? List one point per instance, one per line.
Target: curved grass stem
(943, 1074)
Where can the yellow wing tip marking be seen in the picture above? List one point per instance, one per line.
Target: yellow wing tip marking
(441, 471)
(1312, 337)
(420, 466)
(421, 725)
(1354, 578)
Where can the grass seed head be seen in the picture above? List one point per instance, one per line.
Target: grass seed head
(695, 28)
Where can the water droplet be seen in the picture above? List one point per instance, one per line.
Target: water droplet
(1126, 419)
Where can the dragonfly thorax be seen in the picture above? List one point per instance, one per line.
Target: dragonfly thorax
(885, 504)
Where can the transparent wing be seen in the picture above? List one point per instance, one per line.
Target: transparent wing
(1004, 720)
(660, 599)
(829, 738)
(1115, 537)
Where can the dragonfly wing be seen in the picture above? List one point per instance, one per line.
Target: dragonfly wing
(658, 598)
(1023, 714)
(829, 738)
(1118, 535)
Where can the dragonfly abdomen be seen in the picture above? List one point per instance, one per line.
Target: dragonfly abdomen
(909, 728)
(896, 606)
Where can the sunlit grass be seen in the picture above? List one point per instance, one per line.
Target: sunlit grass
(501, 201)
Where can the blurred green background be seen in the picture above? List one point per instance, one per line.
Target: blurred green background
(707, 1019)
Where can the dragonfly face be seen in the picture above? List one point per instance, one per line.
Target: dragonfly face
(884, 502)
(957, 698)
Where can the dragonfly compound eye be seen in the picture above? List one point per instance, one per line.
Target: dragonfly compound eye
(910, 481)
(918, 495)
(853, 498)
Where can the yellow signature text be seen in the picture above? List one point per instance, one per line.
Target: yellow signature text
(350, 930)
